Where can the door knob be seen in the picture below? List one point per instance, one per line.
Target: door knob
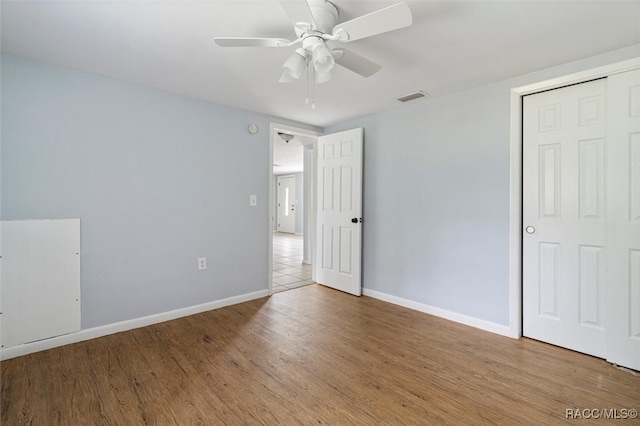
(530, 229)
(354, 220)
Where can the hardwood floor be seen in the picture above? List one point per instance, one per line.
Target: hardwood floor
(309, 356)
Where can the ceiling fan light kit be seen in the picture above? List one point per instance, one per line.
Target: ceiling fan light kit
(294, 66)
(321, 56)
(315, 25)
(322, 77)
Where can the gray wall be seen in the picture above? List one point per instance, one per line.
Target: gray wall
(157, 180)
(436, 196)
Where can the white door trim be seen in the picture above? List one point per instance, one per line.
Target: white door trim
(274, 128)
(309, 215)
(515, 175)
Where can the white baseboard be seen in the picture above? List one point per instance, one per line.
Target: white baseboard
(105, 330)
(442, 313)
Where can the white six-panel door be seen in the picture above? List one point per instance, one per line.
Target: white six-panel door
(339, 206)
(581, 217)
(564, 138)
(623, 216)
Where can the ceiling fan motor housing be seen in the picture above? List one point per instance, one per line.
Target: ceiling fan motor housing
(325, 14)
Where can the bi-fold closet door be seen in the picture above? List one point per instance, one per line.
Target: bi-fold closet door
(581, 217)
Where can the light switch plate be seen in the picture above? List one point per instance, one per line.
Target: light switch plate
(202, 263)
(253, 200)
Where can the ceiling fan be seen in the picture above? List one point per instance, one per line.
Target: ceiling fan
(317, 29)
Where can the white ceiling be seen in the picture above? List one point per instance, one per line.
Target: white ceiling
(453, 45)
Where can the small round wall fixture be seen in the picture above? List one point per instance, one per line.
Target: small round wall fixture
(253, 129)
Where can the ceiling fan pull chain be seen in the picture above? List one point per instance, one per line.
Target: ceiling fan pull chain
(308, 100)
(311, 80)
(313, 96)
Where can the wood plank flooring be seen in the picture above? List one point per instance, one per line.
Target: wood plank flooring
(309, 356)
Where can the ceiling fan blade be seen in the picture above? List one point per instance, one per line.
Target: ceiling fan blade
(298, 11)
(356, 63)
(251, 42)
(378, 22)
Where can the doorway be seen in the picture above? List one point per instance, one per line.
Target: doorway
(292, 217)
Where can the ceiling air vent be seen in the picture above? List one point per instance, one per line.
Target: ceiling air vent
(411, 96)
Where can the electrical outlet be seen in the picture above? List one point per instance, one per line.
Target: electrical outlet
(202, 263)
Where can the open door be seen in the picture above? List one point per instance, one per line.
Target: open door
(339, 214)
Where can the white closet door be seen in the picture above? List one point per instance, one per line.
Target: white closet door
(564, 144)
(623, 211)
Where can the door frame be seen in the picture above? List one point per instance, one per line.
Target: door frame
(515, 174)
(309, 188)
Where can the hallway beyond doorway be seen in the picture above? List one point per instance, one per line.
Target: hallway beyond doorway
(288, 270)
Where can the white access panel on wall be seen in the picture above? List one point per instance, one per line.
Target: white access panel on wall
(40, 286)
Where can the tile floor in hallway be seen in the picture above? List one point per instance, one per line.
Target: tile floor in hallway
(288, 270)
